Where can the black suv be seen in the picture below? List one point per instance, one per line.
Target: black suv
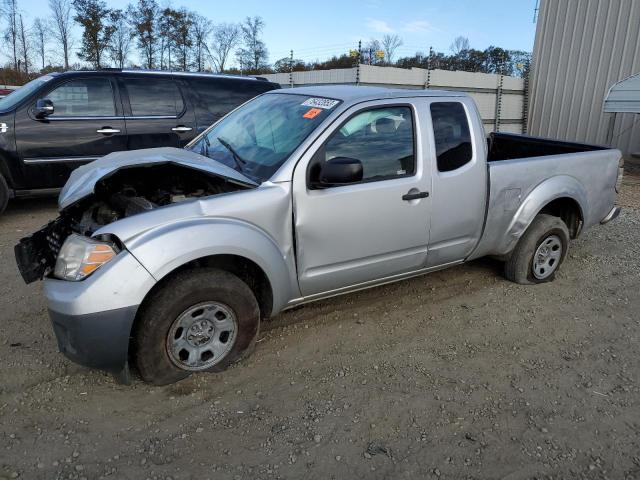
(59, 121)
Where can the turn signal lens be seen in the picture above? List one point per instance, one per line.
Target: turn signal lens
(80, 256)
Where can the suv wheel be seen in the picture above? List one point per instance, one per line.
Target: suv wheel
(539, 252)
(203, 319)
(4, 194)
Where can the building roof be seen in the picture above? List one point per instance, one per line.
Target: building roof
(352, 93)
(624, 96)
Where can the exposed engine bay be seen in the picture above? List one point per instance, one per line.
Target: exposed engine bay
(126, 192)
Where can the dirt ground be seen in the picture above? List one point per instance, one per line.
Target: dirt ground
(457, 374)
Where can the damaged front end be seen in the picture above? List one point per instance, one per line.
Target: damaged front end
(106, 191)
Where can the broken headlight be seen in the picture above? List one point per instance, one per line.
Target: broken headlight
(80, 256)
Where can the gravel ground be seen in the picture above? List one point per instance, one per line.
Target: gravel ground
(457, 374)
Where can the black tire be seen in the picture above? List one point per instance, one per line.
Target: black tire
(519, 268)
(4, 194)
(183, 291)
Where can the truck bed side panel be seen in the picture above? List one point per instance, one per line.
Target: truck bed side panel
(520, 188)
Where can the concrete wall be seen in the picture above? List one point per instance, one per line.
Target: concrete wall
(582, 48)
(505, 115)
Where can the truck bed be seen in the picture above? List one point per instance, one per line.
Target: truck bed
(509, 146)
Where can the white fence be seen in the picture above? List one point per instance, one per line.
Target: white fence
(501, 99)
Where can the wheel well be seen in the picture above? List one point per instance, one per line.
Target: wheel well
(247, 270)
(569, 211)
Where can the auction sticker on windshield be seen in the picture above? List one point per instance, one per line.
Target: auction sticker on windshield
(325, 103)
(312, 113)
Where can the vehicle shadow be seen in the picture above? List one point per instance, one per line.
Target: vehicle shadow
(433, 287)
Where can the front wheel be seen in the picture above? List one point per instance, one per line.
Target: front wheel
(539, 252)
(203, 319)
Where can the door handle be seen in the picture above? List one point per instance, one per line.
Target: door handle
(181, 128)
(107, 130)
(415, 196)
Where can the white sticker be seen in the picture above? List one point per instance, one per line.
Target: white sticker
(325, 103)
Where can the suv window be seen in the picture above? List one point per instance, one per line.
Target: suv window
(153, 96)
(217, 97)
(382, 139)
(452, 136)
(89, 97)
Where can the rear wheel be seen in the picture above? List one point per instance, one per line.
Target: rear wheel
(4, 194)
(203, 319)
(539, 252)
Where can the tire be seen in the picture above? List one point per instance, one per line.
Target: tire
(178, 331)
(522, 267)
(4, 194)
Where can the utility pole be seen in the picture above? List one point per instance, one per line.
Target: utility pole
(291, 70)
(358, 64)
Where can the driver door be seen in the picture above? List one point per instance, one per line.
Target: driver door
(86, 124)
(352, 234)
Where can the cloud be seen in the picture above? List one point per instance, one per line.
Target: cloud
(379, 26)
(417, 26)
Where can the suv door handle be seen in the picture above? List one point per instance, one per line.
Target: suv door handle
(415, 196)
(181, 128)
(107, 130)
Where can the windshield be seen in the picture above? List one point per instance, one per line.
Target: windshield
(257, 138)
(15, 97)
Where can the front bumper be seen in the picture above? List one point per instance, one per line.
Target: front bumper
(96, 340)
(92, 318)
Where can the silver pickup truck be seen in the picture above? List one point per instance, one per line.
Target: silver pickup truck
(172, 257)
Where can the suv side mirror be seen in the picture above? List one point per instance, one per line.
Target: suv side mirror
(44, 108)
(339, 171)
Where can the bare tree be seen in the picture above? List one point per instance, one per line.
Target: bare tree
(226, 37)
(369, 52)
(121, 39)
(24, 46)
(390, 43)
(40, 34)
(201, 29)
(253, 55)
(10, 13)
(61, 10)
(460, 44)
(144, 20)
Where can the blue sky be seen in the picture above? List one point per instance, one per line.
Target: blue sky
(316, 30)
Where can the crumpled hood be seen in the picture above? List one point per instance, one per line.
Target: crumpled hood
(83, 180)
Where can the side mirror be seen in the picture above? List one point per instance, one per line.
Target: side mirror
(44, 108)
(339, 171)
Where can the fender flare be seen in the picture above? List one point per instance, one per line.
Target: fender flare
(560, 186)
(163, 249)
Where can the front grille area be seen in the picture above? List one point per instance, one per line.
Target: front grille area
(36, 254)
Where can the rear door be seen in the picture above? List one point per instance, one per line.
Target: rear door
(87, 123)
(459, 170)
(156, 112)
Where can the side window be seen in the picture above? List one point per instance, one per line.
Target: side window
(452, 137)
(153, 96)
(217, 97)
(89, 97)
(382, 139)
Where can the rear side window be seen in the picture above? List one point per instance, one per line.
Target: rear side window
(452, 135)
(216, 97)
(154, 97)
(89, 97)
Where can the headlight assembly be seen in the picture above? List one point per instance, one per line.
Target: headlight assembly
(80, 256)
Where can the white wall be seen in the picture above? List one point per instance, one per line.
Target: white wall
(482, 87)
